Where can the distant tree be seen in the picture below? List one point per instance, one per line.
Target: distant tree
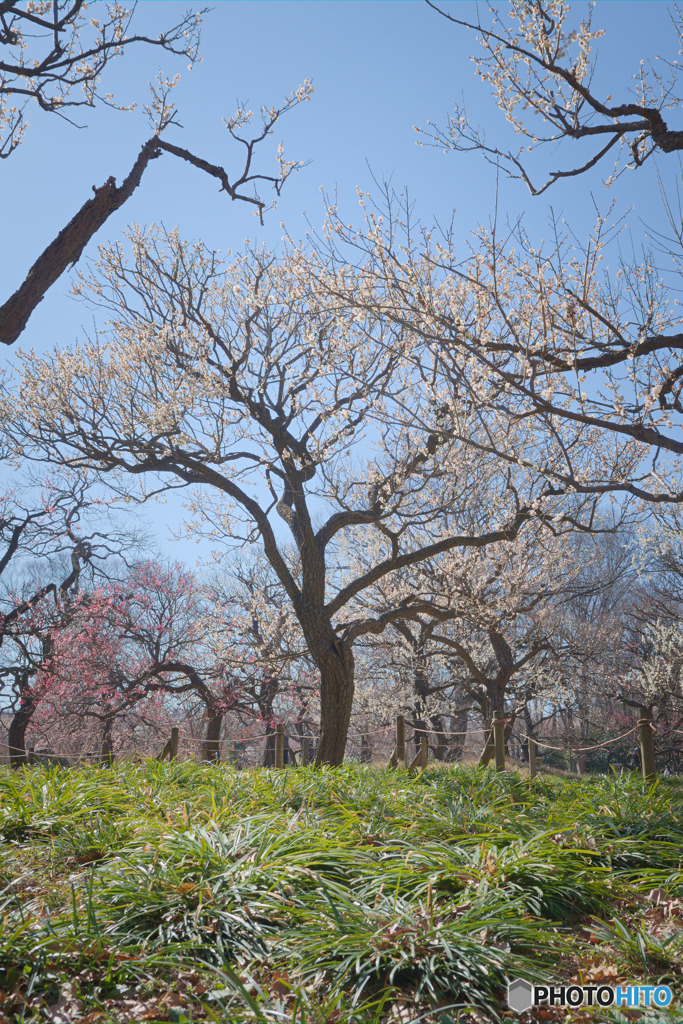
(260, 642)
(134, 638)
(652, 626)
(50, 536)
(495, 616)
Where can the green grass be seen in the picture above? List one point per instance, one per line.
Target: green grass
(181, 892)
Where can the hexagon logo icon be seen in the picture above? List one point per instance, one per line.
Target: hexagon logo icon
(519, 995)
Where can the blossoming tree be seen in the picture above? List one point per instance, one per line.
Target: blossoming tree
(296, 418)
(52, 536)
(569, 340)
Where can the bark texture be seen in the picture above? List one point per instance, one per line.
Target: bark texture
(67, 247)
(16, 739)
(211, 745)
(336, 700)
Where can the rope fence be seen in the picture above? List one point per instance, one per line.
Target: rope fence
(305, 750)
(581, 750)
(445, 732)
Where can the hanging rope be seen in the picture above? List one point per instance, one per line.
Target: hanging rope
(579, 750)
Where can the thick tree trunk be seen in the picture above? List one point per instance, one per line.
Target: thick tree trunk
(16, 739)
(336, 700)
(265, 699)
(269, 751)
(266, 710)
(107, 746)
(441, 738)
(437, 726)
(211, 744)
(495, 692)
(487, 752)
(459, 725)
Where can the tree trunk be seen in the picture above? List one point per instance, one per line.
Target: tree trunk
(107, 746)
(287, 758)
(459, 725)
(509, 726)
(495, 692)
(336, 700)
(266, 710)
(584, 733)
(265, 698)
(488, 751)
(529, 732)
(269, 752)
(437, 727)
(569, 738)
(421, 690)
(211, 744)
(16, 739)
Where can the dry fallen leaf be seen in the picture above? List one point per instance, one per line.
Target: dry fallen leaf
(280, 985)
(601, 972)
(67, 1008)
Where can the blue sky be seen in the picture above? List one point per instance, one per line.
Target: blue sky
(378, 68)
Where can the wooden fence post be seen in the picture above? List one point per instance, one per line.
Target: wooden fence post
(279, 746)
(400, 739)
(30, 756)
(305, 750)
(424, 751)
(499, 740)
(533, 771)
(647, 745)
(173, 748)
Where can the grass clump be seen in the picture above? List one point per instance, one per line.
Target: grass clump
(179, 891)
